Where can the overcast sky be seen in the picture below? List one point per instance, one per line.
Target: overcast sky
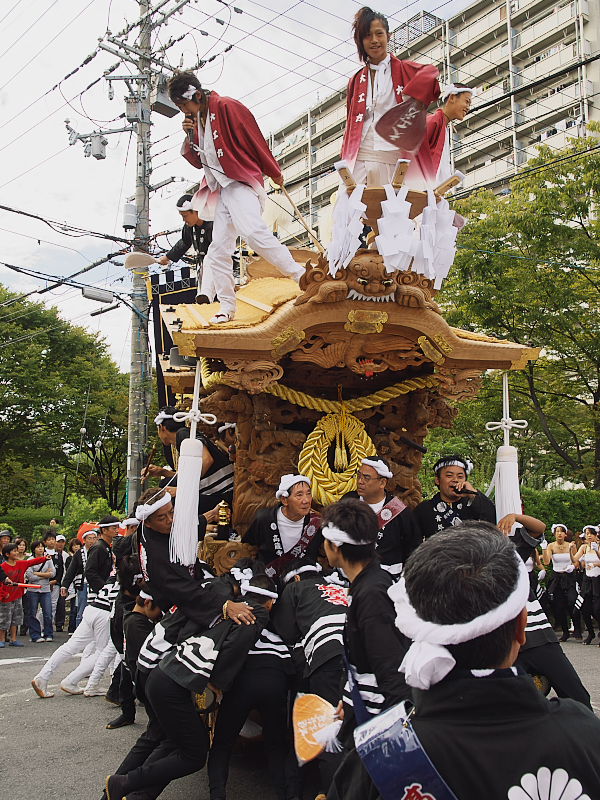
(286, 54)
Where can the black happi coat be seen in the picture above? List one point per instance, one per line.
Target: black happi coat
(398, 538)
(466, 724)
(197, 236)
(312, 612)
(263, 533)
(176, 585)
(435, 514)
(217, 483)
(99, 565)
(374, 646)
(216, 655)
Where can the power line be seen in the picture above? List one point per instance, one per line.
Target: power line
(33, 24)
(46, 45)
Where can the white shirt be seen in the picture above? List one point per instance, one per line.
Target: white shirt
(289, 531)
(215, 177)
(376, 506)
(380, 98)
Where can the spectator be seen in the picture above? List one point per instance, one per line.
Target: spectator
(40, 597)
(49, 539)
(11, 607)
(5, 538)
(62, 555)
(21, 548)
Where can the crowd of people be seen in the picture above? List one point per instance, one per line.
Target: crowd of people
(418, 628)
(316, 611)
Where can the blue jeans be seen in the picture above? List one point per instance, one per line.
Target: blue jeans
(43, 599)
(81, 603)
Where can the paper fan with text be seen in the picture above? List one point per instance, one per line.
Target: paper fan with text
(314, 724)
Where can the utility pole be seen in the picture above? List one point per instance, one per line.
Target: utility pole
(140, 376)
(138, 106)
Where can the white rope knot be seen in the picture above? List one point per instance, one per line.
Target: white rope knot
(506, 424)
(194, 415)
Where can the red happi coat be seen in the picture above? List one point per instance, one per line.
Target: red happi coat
(241, 149)
(415, 80)
(435, 139)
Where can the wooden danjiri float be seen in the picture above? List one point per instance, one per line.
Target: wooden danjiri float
(319, 375)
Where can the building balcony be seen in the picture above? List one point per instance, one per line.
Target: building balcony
(487, 138)
(552, 27)
(484, 27)
(488, 173)
(327, 152)
(552, 105)
(323, 124)
(557, 141)
(489, 62)
(295, 170)
(566, 55)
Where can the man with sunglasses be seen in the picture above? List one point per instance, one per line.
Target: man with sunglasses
(399, 533)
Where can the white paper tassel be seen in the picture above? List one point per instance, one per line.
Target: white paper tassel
(507, 493)
(183, 542)
(505, 483)
(327, 737)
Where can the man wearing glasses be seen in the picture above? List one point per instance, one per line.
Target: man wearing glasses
(399, 533)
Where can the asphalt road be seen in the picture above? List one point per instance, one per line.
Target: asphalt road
(59, 749)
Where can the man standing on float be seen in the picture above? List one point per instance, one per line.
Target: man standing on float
(383, 82)
(224, 139)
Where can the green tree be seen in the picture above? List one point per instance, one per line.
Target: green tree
(63, 405)
(528, 269)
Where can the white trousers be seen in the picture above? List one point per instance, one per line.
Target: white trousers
(91, 636)
(373, 173)
(103, 662)
(238, 213)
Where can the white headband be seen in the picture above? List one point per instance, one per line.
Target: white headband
(336, 578)
(427, 661)
(245, 588)
(190, 92)
(559, 525)
(455, 462)
(592, 528)
(242, 574)
(286, 483)
(145, 510)
(338, 537)
(225, 426)
(380, 468)
(128, 522)
(108, 524)
(144, 595)
(161, 417)
(187, 206)
(451, 88)
(87, 533)
(301, 570)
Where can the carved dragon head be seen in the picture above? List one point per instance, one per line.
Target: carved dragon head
(367, 279)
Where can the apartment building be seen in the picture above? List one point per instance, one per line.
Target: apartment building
(523, 57)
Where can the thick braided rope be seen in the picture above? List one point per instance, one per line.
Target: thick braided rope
(328, 486)
(298, 398)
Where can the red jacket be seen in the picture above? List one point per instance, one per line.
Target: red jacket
(241, 148)
(415, 80)
(16, 572)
